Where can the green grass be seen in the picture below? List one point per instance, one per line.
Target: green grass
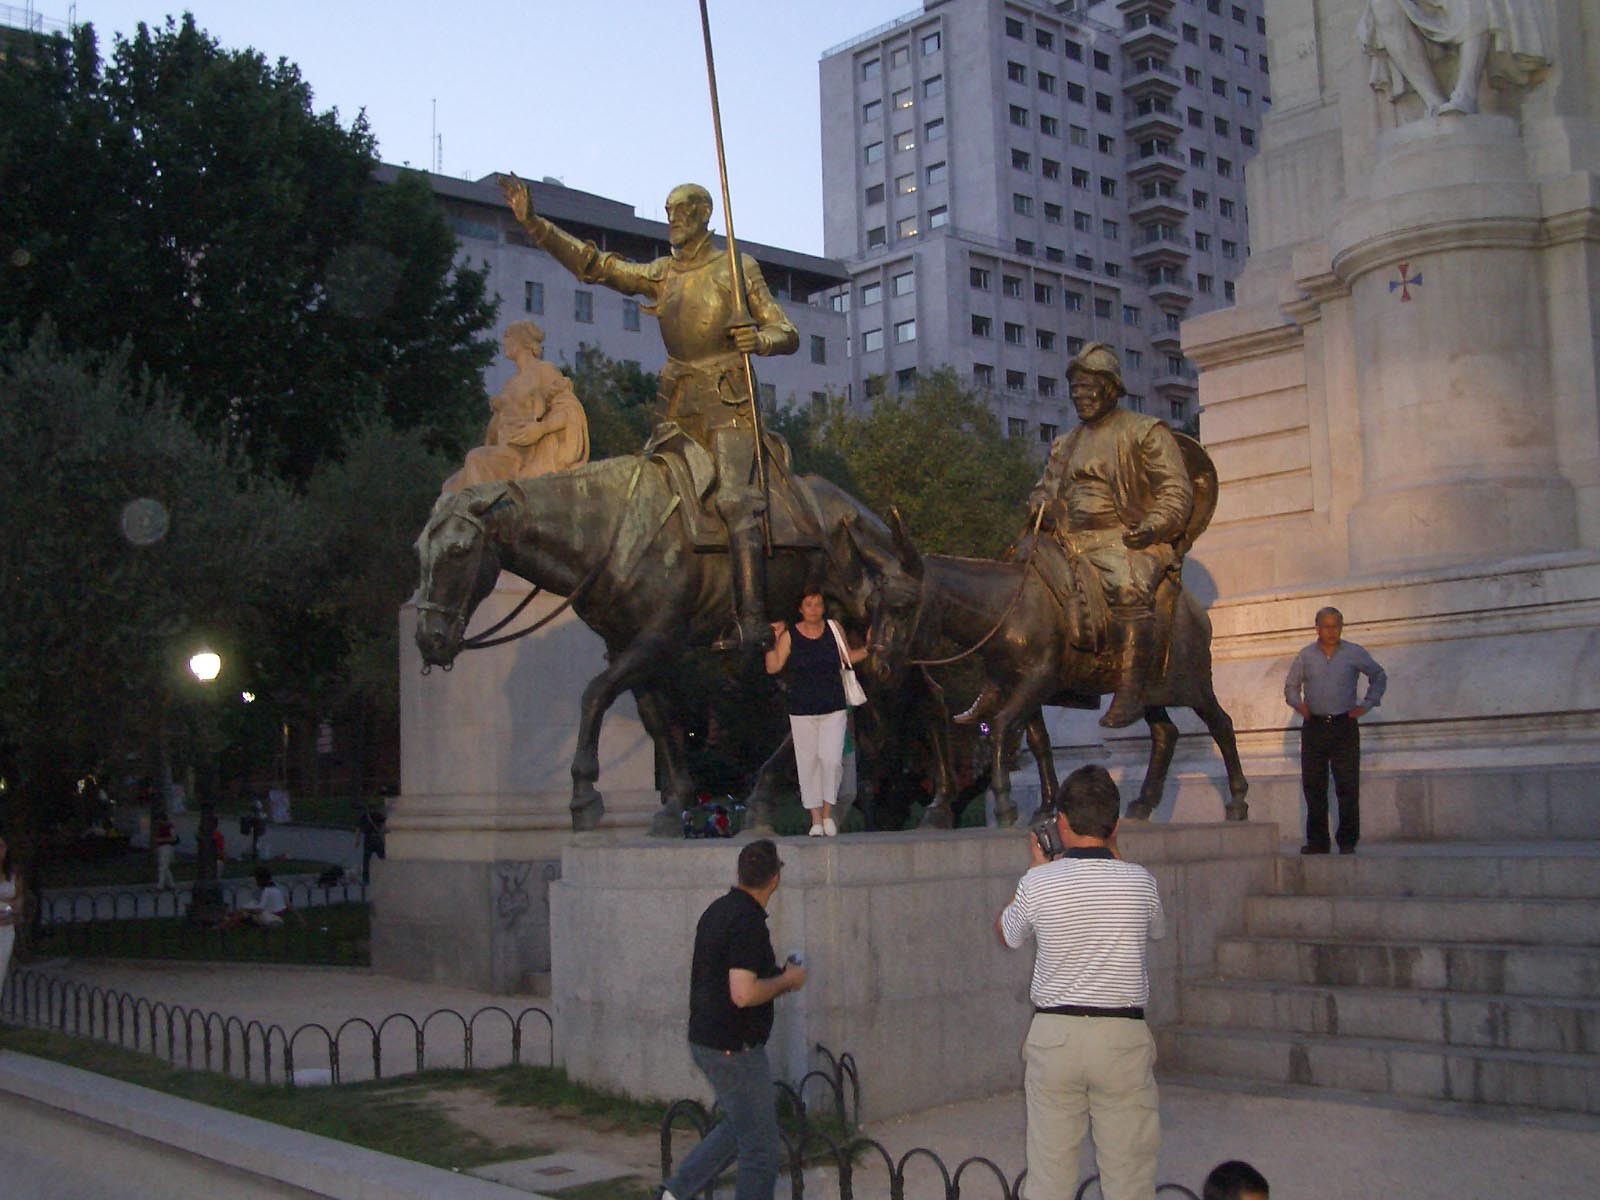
(139, 867)
(391, 1116)
(333, 933)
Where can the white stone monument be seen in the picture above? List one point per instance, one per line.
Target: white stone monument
(475, 837)
(1403, 408)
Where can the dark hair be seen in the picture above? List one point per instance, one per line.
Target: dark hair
(810, 590)
(1234, 1180)
(263, 877)
(759, 864)
(1329, 611)
(1090, 801)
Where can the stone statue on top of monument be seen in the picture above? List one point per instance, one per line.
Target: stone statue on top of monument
(1442, 49)
(705, 386)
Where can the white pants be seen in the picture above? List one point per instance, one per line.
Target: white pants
(164, 867)
(819, 756)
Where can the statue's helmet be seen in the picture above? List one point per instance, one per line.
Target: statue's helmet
(1097, 358)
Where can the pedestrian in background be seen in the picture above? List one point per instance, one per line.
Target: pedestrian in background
(164, 840)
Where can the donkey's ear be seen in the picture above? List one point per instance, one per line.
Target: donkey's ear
(485, 496)
(910, 559)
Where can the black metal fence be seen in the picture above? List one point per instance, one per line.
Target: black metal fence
(196, 1039)
(855, 1158)
(324, 924)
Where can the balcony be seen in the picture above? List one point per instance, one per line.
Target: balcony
(1156, 166)
(1164, 340)
(1176, 385)
(1151, 79)
(1161, 203)
(1162, 250)
(1151, 36)
(1173, 290)
(1151, 122)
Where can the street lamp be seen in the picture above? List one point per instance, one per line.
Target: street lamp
(205, 906)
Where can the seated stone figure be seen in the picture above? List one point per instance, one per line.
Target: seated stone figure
(1404, 37)
(537, 424)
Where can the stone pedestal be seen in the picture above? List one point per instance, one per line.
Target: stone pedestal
(905, 971)
(477, 832)
(1403, 411)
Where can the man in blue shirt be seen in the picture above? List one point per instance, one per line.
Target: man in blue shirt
(1322, 688)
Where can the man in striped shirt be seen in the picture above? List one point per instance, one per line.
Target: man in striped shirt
(1089, 1054)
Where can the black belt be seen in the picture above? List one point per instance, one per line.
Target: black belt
(1133, 1012)
(1328, 719)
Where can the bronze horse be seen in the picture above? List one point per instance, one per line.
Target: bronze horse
(1031, 658)
(607, 536)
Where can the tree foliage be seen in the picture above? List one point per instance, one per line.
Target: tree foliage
(619, 399)
(189, 201)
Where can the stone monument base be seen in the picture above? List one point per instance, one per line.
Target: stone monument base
(906, 973)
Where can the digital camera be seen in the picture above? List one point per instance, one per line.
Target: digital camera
(1044, 828)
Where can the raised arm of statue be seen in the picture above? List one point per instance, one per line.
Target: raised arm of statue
(583, 259)
(1507, 39)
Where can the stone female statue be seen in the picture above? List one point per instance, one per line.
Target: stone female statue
(1506, 38)
(536, 424)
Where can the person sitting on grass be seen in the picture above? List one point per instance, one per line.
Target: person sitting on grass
(268, 909)
(1235, 1180)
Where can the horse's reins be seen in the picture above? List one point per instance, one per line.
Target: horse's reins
(1022, 582)
(484, 640)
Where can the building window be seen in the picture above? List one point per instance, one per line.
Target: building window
(1242, 54)
(1136, 358)
(1016, 72)
(1016, 381)
(769, 395)
(1049, 126)
(877, 236)
(1202, 241)
(1193, 77)
(1072, 49)
(871, 293)
(1046, 82)
(1225, 168)
(905, 227)
(899, 56)
(1102, 102)
(875, 194)
(533, 297)
(1131, 315)
(1024, 246)
(983, 374)
(839, 302)
(630, 314)
(1230, 249)
(1218, 46)
(1245, 97)
(1102, 308)
(1011, 287)
(872, 339)
(1205, 284)
(905, 140)
(933, 130)
(1219, 86)
(1247, 136)
(872, 68)
(1177, 410)
(1021, 205)
(1108, 186)
(1074, 301)
(938, 216)
(930, 44)
(1113, 270)
(1191, 34)
(932, 86)
(982, 326)
(905, 184)
(1047, 431)
(1220, 124)
(1044, 339)
(905, 331)
(872, 110)
(819, 348)
(903, 284)
(1019, 116)
(979, 278)
(583, 307)
(1049, 168)
(1083, 222)
(900, 99)
(905, 379)
(1054, 254)
(1109, 229)
(1052, 213)
(1044, 39)
(1102, 61)
(1014, 28)
(1076, 94)
(1014, 333)
(1227, 290)
(1135, 403)
(1225, 209)
(1080, 177)
(1016, 427)
(1021, 160)
(1083, 262)
(1201, 200)
(874, 152)
(1197, 158)
(1047, 384)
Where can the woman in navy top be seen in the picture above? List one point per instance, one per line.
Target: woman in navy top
(809, 656)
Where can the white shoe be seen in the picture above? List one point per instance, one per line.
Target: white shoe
(829, 828)
(815, 831)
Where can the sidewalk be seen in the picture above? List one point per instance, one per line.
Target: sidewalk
(1311, 1147)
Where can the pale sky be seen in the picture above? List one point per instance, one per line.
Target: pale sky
(606, 95)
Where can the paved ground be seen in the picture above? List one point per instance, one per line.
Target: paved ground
(1312, 1147)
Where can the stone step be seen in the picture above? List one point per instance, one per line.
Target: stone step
(1472, 1019)
(1394, 1067)
(1443, 918)
(1482, 875)
(1549, 971)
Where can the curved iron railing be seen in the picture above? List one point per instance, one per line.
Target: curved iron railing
(197, 1039)
(975, 1177)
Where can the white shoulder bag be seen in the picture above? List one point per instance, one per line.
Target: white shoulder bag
(854, 694)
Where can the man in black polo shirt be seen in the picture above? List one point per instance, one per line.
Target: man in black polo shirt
(732, 984)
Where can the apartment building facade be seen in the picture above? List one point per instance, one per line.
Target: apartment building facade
(531, 285)
(1007, 179)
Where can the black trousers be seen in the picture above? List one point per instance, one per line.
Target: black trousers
(1331, 743)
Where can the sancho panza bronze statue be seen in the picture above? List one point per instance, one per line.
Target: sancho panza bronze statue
(703, 385)
(1116, 495)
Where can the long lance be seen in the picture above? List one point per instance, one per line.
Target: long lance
(741, 315)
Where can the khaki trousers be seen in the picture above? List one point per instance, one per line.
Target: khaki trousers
(1091, 1074)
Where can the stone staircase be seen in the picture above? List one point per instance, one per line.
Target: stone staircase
(1435, 972)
